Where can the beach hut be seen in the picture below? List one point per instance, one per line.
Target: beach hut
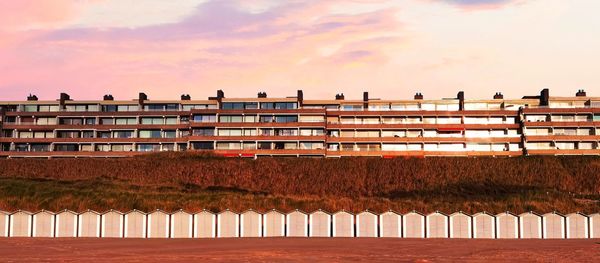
(484, 225)
(530, 225)
(112, 223)
(553, 225)
(460, 225)
(20, 224)
(181, 224)
(43, 224)
(250, 224)
(66, 224)
(437, 225)
(135, 224)
(158, 224)
(577, 225)
(343, 224)
(89, 224)
(228, 224)
(4, 223)
(507, 225)
(273, 224)
(390, 224)
(594, 225)
(413, 225)
(205, 224)
(296, 223)
(366, 224)
(320, 224)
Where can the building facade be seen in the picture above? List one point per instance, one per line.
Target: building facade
(292, 126)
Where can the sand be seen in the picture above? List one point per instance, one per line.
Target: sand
(297, 250)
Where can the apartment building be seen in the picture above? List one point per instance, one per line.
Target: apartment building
(293, 126)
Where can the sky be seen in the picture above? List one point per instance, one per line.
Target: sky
(390, 48)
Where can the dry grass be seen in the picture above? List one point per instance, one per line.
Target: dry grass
(194, 181)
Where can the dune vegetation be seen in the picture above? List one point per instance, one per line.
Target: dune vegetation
(195, 181)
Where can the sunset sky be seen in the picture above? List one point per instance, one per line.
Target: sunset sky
(392, 49)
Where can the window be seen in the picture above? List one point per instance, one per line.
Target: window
(122, 134)
(168, 147)
(40, 147)
(184, 119)
(204, 132)
(107, 121)
(25, 135)
(393, 147)
(205, 118)
(87, 134)
(266, 118)
(311, 145)
(169, 134)
(127, 107)
(233, 105)
(48, 108)
(230, 132)
(149, 134)
(21, 147)
(264, 145)
(202, 145)
(393, 134)
(67, 134)
(232, 118)
(148, 147)
(249, 118)
(249, 146)
(286, 132)
(228, 146)
(312, 132)
(187, 107)
(66, 147)
(46, 121)
(352, 107)
(125, 121)
(30, 108)
(109, 108)
(71, 121)
(90, 121)
(103, 147)
(286, 118)
(152, 120)
(103, 134)
(121, 147)
(250, 132)
(171, 120)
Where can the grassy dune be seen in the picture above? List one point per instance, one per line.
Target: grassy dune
(194, 181)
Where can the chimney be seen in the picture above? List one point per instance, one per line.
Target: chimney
(580, 93)
(262, 94)
(186, 97)
(498, 96)
(108, 97)
(461, 100)
(545, 97)
(220, 94)
(366, 99)
(32, 97)
(339, 96)
(300, 97)
(418, 96)
(63, 97)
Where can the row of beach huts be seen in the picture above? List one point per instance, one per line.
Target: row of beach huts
(251, 223)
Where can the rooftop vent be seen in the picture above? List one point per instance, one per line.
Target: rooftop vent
(498, 96)
(142, 96)
(262, 94)
(580, 93)
(32, 97)
(339, 96)
(108, 97)
(418, 96)
(186, 97)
